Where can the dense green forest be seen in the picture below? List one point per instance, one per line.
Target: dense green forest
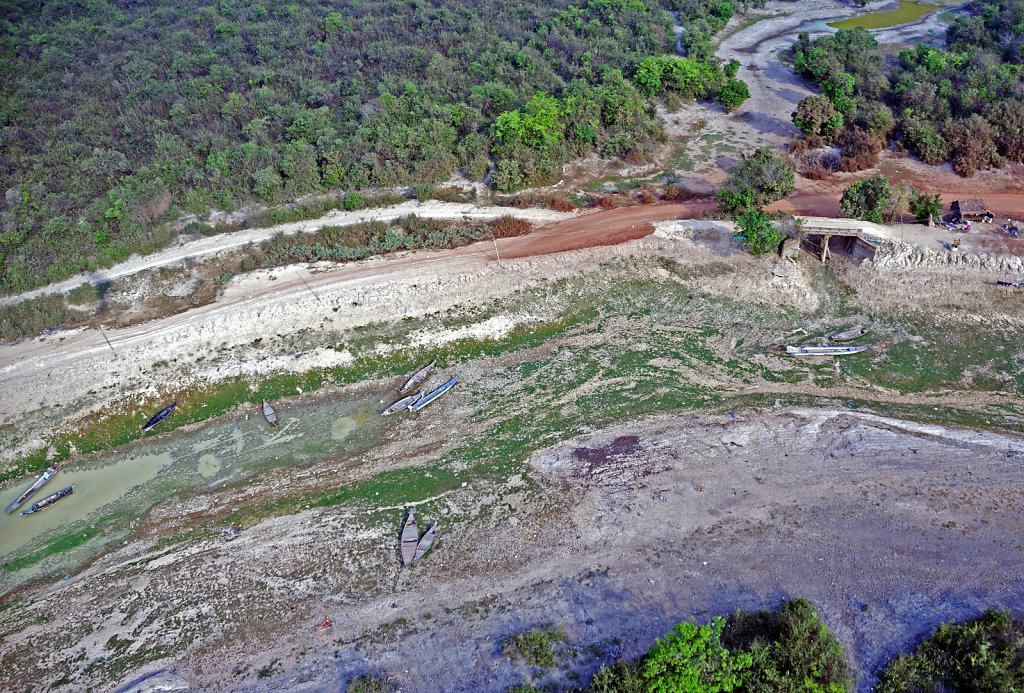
(116, 114)
(963, 104)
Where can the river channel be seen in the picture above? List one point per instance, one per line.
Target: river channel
(114, 487)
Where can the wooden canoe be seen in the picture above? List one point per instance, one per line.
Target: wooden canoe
(417, 377)
(401, 404)
(425, 542)
(49, 500)
(36, 485)
(159, 417)
(410, 538)
(431, 396)
(847, 335)
(269, 414)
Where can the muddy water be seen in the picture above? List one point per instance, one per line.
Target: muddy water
(113, 488)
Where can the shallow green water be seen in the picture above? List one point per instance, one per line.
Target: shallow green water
(905, 13)
(113, 488)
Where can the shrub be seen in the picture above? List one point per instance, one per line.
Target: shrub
(867, 199)
(758, 233)
(984, 655)
(860, 149)
(733, 93)
(353, 201)
(624, 677)
(509, 227)
(535, 646)
(372, 683)
(423, 191)
(560, 204)
(691, 659)
(791, 650)
(760, 179)
(923, 206)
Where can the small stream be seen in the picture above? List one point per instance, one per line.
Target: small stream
(127, 482)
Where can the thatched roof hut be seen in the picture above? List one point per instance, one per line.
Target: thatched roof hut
(970, 210)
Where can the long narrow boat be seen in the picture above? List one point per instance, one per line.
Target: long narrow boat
(159, 417)
(401, 404)
(410, 538)
(847, 335)
(425, 542)
(49, 500)
(431, 396)
(417, 377)
(36, 485)
(269, 414)
(823, 350)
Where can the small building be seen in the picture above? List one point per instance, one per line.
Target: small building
(970, 210)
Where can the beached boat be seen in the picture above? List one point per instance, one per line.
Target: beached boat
(417, 377)
(410, 539)
(431, 396)
(847, 335)
(159, 417)
(425, 542)
(36, 485)
(49, 500)
(401, 404)
(269, 414)
(823, 350)
(1014, 285)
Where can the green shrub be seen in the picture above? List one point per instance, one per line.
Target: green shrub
(758, 233)
(985, 655)
(536, 646)
(354, 201)
(691, 659)
(624, 677)
(791, 650)
(758, 180)
(372, 683)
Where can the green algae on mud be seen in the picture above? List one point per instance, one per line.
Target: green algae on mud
(609, 354)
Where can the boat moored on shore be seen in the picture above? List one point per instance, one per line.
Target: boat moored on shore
(36, 485)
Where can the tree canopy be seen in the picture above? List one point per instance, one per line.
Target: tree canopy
(117, 115)
(760, 179)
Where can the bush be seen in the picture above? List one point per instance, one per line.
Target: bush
(353, 201)
(923, 206)
(624, 677)
(867, 199)
(509, 227)
(791, 650)
(760, 179)
(535, 646)
(985, 655)
(758, 233)
(691, 659)
(733, 93)
(560, 204)
(860, 149)
(423, 191)
(372, 683)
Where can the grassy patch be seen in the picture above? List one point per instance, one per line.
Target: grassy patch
(76, 537)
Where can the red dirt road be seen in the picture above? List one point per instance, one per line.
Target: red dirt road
(607, 227)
